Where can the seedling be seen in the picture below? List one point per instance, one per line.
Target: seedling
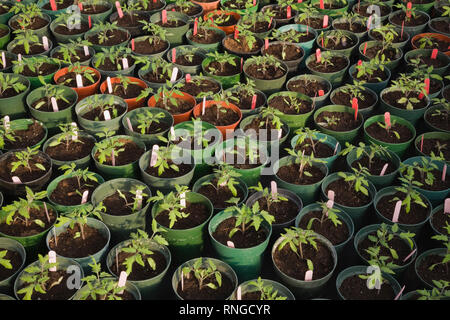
(371, 151)
(205, 275)
(425, 168)
(136, 204)
(303, 161)
(327, 214)
(157, 33)
(325, 59)
(203, 25)
(444, 111)
(123, 82)
(290, 36)
(24, 159)
(352, 18)
(226, 178)
(104, 31)
(183, 5)
(158, 67)
(296, 238)
(26, 38)
(167, 93)
(222, 59)
(51, 91)
(357, 180)
(269, 196)
(248, 217)
(272, 115)
(114, 55)
(65, 20)
(195, 135)
(146, 118)
(407, 188)
(330, 3)
(388, 127)
(220, 17)
(308, 137)
(34, 64)
(407, 85)
(329, 121)
(8, 81)
(266, 291)
(102, 104)
(306, 12)
(109, 144)
(410, 13)
(252, 18)
(264, 63)
(171, 203)
(164, 156)
(26, 14)
(5, 263)
(388, 33)
(366, 70)
(440, 290)
(79, 174)
(246, 37)
(380, 264)
(333, 38)
(422, 71)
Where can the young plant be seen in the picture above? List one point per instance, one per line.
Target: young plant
(51, 91)
(183, 5)
(377, 279)
(357, 180)
(146, 118)
(407, 187)
(164, 156)
(102, 104)
(246, 37)
(5, 263)
(159, 68)
(24, 158)
(250, 19)
(78, 69)
(410, 14)
(104, 30)
(171, 203)
(440, 290)
(203, 26)
(165, 93)
(297, 238)
(269, 196)
(290, 36)
(409, 87)
(226, 178)
(249, 217)
(266, 291)
(157, 34)
(8, 82)
(333, 38)
(134, 205)
(366, 70)
(272, 115)
(113, 55)
(205, 275)
(422, 71)
(220, 17)
(388, 128)
(194, 135)
(223, 59)
(308, 138)
(425, 168)
(66, 137)
(123, 83)
(352, 19)
(109, 144)
(371, 151)
(306, 12)
(327, 214)
(35, 64)
(239, 4)
(27, 14)
(329, 121)
(388, 32)
(265, 63)
(82, 176)
(444, 109)
(303, 161)
(26, 38)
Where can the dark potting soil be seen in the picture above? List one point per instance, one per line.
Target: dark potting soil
(283, 211)
(115, 205)
(279, 11)
(114, 37)
(70, 246)
(96, 114)
(245, 100)
(291, 51)
(14, 259)
(198, 213)
(374, 78)
(321, 150)
(10, 92)
(3, 32)
(281, 103)
(171, 23)
(291, 264)
(446, 93)
(241, 45)
(109, 65)
(345, 43)
(183, 169)
(206, 36)
(231, 20)
(315, 23)
(132, 91)
(37, 23)
(337, 64)
(4, 8)
(45, 69)
(124, 296)
(435, 44)
(355, 288)
(153, 128)
(418, 20)
(345, 99)
(19, 228)
(94, 8)
(139, 272)
(238, 161)
(151, 5)
(128, 20)
(439, 272)
(24, 174)
(259, 27)
(219, 197)
(291, 174)
(443, 26)
(431, 145)
(131, 153)
(386, 206)
(440, 121)
(345, 121)
(390, 54)
(26, 138)
(330, 5)
(47, 106)
(335, 235)
(190, 11)
(227, 69)
(59, 5)
(182, 106)
(436, 63)
(263, 135)
(301, 36)
(439, 220)
(191, 60)
(70, 77)
(346, 195)
(192, 291)
(62, 29)
(144, 47)
(219, 116)
(35, 48)
(251, 238)
(195, 89)
(381, 134)
(74, 151)
(397, 243)
(355, 27)
(380, 36)
(376, 166)
(56, 287)
(158, 76)
(66, 194)
(272, 72)
(362, 10)
(308, 87)
(438, 184)
(435, 86)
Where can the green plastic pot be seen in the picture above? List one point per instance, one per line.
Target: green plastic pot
(335, 78)
(292, 65)
(391, 64)
(365, 112)
(283, 21)
(106, 73)
(65, 64)
(52, 119)
(223, 267)
(208, 47)
(94, 127)
(249, 111)
(341, 136)
(411, 30)
(357, 270)
(157, 85)
(35, 82)
(155, 55)
(300, 288)
(5, 39)
(51, 13)
(164, 184)
(401, 44)
(129, 170)
(174, 35)
(414, 228)
(84, 261)
(192, 70)
(259, 43)
(413, 54)
(430, 135)
(44, 31)
(342, 215)
(99, 48)
(438, 251)
(398, 148)
(246, 262)
(306, 46)
(9, 56)
(98, 17)
(64, 208)
(6, 297)
(121, 226)
(267, 86)
(360, 35)
(435, 197)
(129, 287)
(308, 193)
(348, 52)
(431, 110)
(186, 244)
(319, 101)
(23, 124)
(6, 16)
(332, 12)
(32, 244)
(436, 210)
(365, 231)
(247, 287)
(63, 38)
(328, 140)
(430, 25)
(359, 215)
(379, 181)
(225, 81)
(376, 87)
(63, 264)
(11, 245)
(149, 288)
(11, 45)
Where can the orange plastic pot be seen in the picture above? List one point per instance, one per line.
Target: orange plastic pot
(180, 117)
(438, 36)
(133, 103)
(226, 29)
(82, 92)
(208, 6)
(225, 130)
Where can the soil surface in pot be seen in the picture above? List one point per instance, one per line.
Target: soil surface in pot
(114, 37)
(337, 64)
(441, 25)
(229, 20)
(94, 8)
(374, 78)
(203, 86)
(438, 184)
(198, 213)
(69, 79)
(64, 30)
(35, 48)
(132, 91)
(241, 45)
(3, 32)
(362, 10)
(439, 220)
(144, 47)
(237, 160)
(259, 26)
(4, 8)
(335, 235)
(159, 76)
(345, 99)
(44, 70)
(263, 135)
(226, 69)
(345, 121)
(272, 72)
(390, 54)
(70, 246)
(435, 44)
(279, 11)
(192, 291)
(131, 21)
(291, 174)
(188, 59)
(109, 65)
(376, 166)
(171, 23)
(75, 150)
(9, 63)
(14, 259)
(251, 238)
(308, 87)
(320, 150)
(386, 206)
(206, 36)
(379, 36)
(36, 24)
(354, 27)
(24, 174)
(314, 22)
(153, 128)
(139, 272)
(66, 193)
(26, 138)
(346, 195)
(244, 100)
(46, 105)
(292, 265)
(190, 10)
(219, 116)
(283, 211)
(381, 134)
(97, 114)
(297, 36)
(183, 169)
(290, 106)
(19, 228)
(59, 5)
(439, 272)
(355, 288)
(418, 20)
(440, 121)
(436, 63)
(181, 105)
(151, 6)
(117, 206)
(131, 153)
(341, 45)
(219, 197)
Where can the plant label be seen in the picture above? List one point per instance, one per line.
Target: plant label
(84, 198)
(182, 281)
(75, 131)
(230, 244)
(239, 293)
(270, 22)
(125, 63)
(288, 12)
(79, 81)
(359, 62)
(330, 204)
(321, 5)
(447, 206)
(130, 126)
(108, 82)
(273, 189)
(19, 57)
(173, 78)
(119, 10)
(330, 195)
(6, 123)
(46, 213)
(86, 50)
(183, 199)
(122, 281)
(398, 206)
(387, 119)
(322, 42)
(174, 55)
(80, 5)
(53, 5)
(444, 172)
(335, 148)
(242, 63)
(309, 273)
(89, 22)
(400, 293)
(318, 55)
(280, 133)
(408, 9)
(52, 259)
(117, 259)
(203, 106)
(164, 16)
(299, 1)
(321, 93)
(16, 180)
(325, 21)
(254, 101)
(434, 54)
(266, 44)
(54, 104)
(154, 155)
(113, 158)
(421, 143)
(307, 30)
(45, 43)
(365, 48)
(133, 47)
(3, 59)
(427, 85)
(188, 77)
(403, 27)
(107, 115)
(139, 199)
(236, 33)
(195, 31)
(172, 133)
(254, 3)
(409, 255)
(383, 171)
(355, 107)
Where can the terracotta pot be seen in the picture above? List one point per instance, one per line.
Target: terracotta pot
(133, 103)
(180, 117)
(437, 36)
(208, 6)
(226, 29)
(82, 92)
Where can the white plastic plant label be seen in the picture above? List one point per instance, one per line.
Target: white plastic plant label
(400, 293)
(335, 148)
(52, 259)
(130, 126)
(86, 50)
(230, 244)
(79, 81)
(274, 189)
(125, 63)
(154, 155)
(6, 123)
(84, 197)
(19, 57)
(173, 78)
(108, 82)
(409, 255)
(239, 293)
(75, 131)
(203, 105)
(444, 172)
(308, 275)
(182, 280)
(398, 206)
(46, 212)
(45, 43)
(447, 206)
(107, 115)
(54, 104)
(3, 59)
(280, 133)
(383, 171)
(113, 158)
(183, 199)
(122, 281)
(172, 134)
(16, 180)
(331, 195)
(139, 199)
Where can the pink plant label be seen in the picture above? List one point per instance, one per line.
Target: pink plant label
(321, 5)
(330, 204)
(331, 195)
(52, 259)
(79, 81)
(266, 44)
(16, 180)
(355, 107)
(80, 5)
(89, 22)
(46, 213)
(230, 244)
(365, 48)
(107, 115)
(19, 57)
(409, 255)
(403, 27)
(45, 42)
(307, 29)
(125, 63)
(321, 93)
(318, 55)
(139, 199)
(164, 16)
(203, 105)
(113, 158)
(398, 206)
(242, 63)
(108, 82)
(335, 148)
(174, 55)
(421, 143)
(444, 172)
(130, 126)
(53, 5)
(299, 1)
(369, 21)
(86, 50)
(3, 59)
(172, 133)
(182, 280)
(408, 9)
(427, 85)
(447, 206)
(122, 281)
(325, 21)
(434, 54)
(239, 293)
(173, 78)
(308, 275)
(188, 77)
(383, 171)
(270, 22)
(288, 12)
(280, 133)
(119, 10)
(195, 31)
(254, 101)
(154, 156)
(133, 47)
(387, 119)
(274, 189)
(54, 104)
(183, 199)
(359, 62)
(84, 198)
(400, 293)
(254, 3)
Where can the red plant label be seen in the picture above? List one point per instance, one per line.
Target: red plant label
(89, 22)
(133, 47)
(434, 53)
(195, 27)
(288, 13)
(321, 5)
(174, 55)
(387, 119)
(318, 55)
(325, 21)
(447, 205)
(254, 101)
(164, 16)
(188, 77)
(53, 5)
(119, 9)
(266, 43)
(321, 93)
(355, 107)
